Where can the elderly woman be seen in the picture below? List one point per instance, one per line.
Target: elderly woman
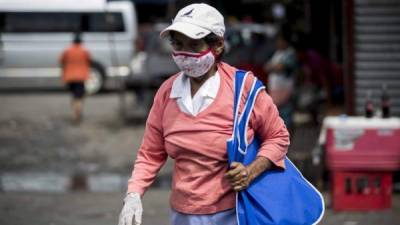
(190, 121)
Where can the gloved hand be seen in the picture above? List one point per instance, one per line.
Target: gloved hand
(132, 208)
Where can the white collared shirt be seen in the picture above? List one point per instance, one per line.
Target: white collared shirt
(206, 94)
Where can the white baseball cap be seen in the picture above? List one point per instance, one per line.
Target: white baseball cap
(197, 21)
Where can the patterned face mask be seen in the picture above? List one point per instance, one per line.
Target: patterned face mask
(194, 64)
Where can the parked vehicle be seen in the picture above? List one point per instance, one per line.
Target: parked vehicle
(152, 64)
(34, 34)
(150, 67)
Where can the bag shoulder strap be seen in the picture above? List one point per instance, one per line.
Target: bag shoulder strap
(241, 123)
(239, 79)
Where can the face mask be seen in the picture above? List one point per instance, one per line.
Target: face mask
(194, 64)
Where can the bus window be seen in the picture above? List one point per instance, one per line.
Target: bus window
(105, 22)
(27, 22)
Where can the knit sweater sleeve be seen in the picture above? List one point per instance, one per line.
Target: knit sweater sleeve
(151, 155)
(270, 129)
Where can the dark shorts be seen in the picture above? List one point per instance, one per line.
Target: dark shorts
(77, 89)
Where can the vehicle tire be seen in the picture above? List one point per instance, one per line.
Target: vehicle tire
(95, 82)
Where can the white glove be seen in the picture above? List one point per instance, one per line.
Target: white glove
(132, 207)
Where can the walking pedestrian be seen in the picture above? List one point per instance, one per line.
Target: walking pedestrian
(75, 63)
(281, 77)
(191, 120)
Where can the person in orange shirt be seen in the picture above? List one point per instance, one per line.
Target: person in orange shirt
(75, 62)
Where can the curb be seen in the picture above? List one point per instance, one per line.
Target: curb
(61, 182)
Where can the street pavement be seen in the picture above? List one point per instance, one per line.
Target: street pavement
(53, 172)
(88, 208)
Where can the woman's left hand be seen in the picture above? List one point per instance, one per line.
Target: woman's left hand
(238, 176)
(241, 176)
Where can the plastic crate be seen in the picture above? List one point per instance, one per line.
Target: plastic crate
(363, 149)
(361, 155)
(361, 190)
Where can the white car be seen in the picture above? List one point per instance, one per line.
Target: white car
(33, 35)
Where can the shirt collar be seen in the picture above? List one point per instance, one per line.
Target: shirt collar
(210, 87)
(178, 86)
(181, 86)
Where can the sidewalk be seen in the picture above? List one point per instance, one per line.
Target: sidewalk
(88, 208)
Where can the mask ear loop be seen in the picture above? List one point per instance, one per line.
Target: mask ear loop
(212, 50)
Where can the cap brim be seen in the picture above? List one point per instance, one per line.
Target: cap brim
(190, 30)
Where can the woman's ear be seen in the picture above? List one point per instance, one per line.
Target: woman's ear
(219, 47)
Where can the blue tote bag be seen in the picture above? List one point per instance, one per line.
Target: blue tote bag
(279, 197)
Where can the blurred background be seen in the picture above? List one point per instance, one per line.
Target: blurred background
(344, 105)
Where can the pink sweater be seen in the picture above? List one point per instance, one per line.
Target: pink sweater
(198, 146)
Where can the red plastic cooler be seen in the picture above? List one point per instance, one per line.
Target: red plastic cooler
(361, 155)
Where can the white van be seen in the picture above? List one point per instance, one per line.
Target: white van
(33, 35)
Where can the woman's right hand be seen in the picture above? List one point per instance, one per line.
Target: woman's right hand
(132, 208)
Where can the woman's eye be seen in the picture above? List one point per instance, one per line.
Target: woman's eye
(175, 45)
(197, 47)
